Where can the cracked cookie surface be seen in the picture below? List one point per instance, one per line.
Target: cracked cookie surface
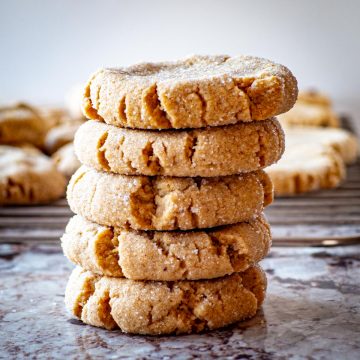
(154, 308)
(214, 151)
(28, 177)
(195, 92)
(167, 203)
(166, 256)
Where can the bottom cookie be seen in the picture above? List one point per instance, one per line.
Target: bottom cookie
(155, 308)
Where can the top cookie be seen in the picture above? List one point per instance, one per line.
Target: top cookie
(194, 92)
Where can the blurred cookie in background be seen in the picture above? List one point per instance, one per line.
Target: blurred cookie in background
(73, 101)
(21, 123)
(28, 177)
(306, 167)
(340, 140)
(314, 159)
(312, 108)
(54, 116)
(66, 161)
(60, 136)
(315, 97)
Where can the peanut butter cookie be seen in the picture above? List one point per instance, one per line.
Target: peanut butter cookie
(342, 141)
(214, 151)
(167, 203)
(21, 123)
(156, 308)
(166, 256)
(66, 161)
(195, 92)
(60, 135)
(28, 177)
(314, 96)
(306, 167)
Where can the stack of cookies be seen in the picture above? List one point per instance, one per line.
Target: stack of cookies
(169, 200)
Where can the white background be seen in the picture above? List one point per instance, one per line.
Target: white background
(46, 46)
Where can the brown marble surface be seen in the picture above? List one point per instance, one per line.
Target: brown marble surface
(312, 311)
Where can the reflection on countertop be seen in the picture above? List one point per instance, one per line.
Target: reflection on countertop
(312, 311)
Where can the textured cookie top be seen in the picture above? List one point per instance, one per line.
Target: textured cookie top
(208, 152)
(167, 203)
(159, 307)
(166, 255)
(194, 92)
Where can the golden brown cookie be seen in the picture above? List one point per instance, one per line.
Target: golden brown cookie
(21, 123)
(167, 203)
(194, 92)
(214, 151)
(309, 115)
(314, 96)
(306, 167)
(28, 177)
(342, 141)
(54, 116)
(66, 161)
(166, 256)
(156, 308)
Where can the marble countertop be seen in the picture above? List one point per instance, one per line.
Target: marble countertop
(312, 311)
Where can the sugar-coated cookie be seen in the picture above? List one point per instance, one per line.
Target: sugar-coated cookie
(66, 161)
(21, 123)
(166, 256)
(154, 308)
(28, 177)
(213, 151)
(194, 92)
(167, 203)
(305, 168)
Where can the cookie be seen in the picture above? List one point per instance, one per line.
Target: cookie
(54, 116)
(60, 136)
(342, 141)
(157, 308)
(195, 92)
(21, 123)
(166, 256)
(28, 177)
(167, 203)
(306, 167)
(214, 151)
(310, 114)
(314, 96)
(66, 161)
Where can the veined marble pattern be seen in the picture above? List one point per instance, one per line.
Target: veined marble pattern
(312, 311)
